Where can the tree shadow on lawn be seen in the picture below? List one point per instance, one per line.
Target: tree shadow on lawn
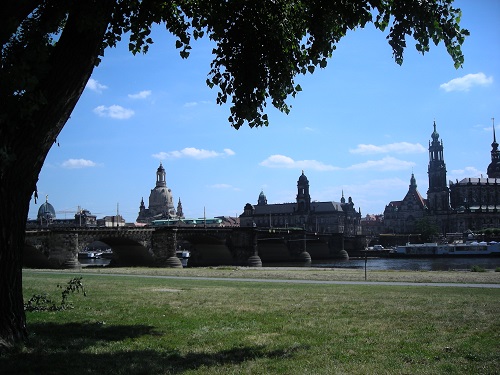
(60, 349)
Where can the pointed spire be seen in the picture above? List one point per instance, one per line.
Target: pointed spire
(494, 134)
(435, 134)
(494, 166)
(413, 182)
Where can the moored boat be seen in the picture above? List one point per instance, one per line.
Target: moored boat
(183, 255)
(89, 255)
(468, 249)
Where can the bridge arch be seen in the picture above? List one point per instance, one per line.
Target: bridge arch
(127, 252)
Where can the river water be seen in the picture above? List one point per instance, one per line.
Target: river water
(420, 264)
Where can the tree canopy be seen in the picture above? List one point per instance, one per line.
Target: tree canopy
(50, 48)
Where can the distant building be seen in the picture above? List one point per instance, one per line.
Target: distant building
(467, 205)
(372, 225)
(402, 216)
(161, 204)
(229, 221)
(321, 217)
(111, 221)
(85, 218)
(47, 217)
(46, 212)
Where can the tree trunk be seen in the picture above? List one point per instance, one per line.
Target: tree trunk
(15, 196)
(25, 144)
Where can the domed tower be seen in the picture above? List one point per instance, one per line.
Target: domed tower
(303, 197)
(160, 198)
(494, 167)
(46, 212)
(160, 176)
(438, 194)
(262, 199)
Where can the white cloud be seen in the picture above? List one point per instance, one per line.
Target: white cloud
(114, 111)
(78, 163)
(398, 148)
(282, 161)
(466, 82)
(194, 104)
(94, 85)
(193, 153)
(466, 172)
(388, 163)
(140, 95)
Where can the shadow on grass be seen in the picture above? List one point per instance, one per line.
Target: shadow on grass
(61, 349)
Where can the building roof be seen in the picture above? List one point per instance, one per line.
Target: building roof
(290, 208)
(476, 181)
(416, 197)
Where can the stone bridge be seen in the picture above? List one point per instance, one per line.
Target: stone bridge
(156, 246)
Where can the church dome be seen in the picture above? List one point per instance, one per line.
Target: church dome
(46, 211)
(303, 178)
(161, 201)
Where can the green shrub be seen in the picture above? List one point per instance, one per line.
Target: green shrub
(476, 268)
(41, 302)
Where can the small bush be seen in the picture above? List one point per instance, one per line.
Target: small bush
(476, 268)
(497, 269)
(41, 302)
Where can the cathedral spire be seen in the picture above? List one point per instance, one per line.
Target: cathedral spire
(494, 167)
(438, 192)
(494, 144)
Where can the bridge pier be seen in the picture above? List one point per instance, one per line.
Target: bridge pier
(304, 256)
(63, 250)
(164, 245)
(254, 260)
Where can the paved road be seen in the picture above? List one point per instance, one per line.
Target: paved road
(292, 281)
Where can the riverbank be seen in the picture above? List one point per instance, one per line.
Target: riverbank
(132, 325)
(310, 273)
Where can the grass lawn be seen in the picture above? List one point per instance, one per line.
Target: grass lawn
(136, 325)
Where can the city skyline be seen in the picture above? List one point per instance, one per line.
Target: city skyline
(361, 126)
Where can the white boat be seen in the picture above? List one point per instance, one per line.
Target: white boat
(183, 255)
(89, 255)
(468, 249)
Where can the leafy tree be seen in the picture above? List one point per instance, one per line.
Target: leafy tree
(427, 230)
(50, 47)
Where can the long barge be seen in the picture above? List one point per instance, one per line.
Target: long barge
(429, 250)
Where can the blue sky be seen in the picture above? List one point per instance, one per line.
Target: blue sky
(361, 126)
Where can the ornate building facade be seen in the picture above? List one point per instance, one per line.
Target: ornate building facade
(470, 204)
(402, 216)
(320, 217)
(47, 216)
(161, 205)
